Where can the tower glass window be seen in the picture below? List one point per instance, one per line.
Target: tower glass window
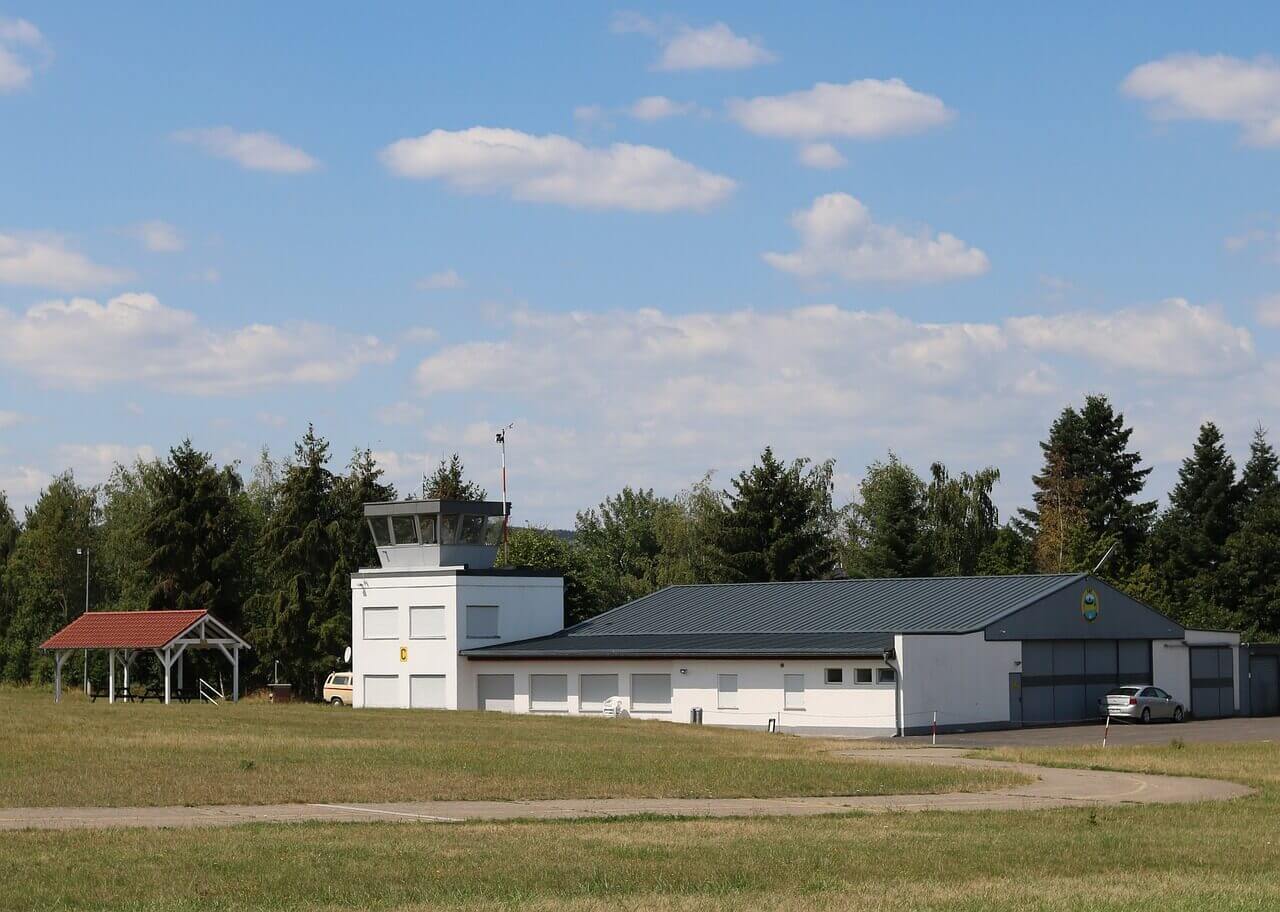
(405, 530)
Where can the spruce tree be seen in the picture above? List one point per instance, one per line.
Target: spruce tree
(778, 523)
(196, 533)
(361, 485)
(1261, 474)
(886, 531)
(1252, 571)
(304, 612)
(449, 482)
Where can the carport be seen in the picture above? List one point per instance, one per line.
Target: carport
(129, 634)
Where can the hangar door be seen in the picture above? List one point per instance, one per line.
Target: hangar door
(1062, 680)
(1264, 685)
(1212, 682)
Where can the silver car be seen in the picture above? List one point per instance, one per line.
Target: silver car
(1140, 703)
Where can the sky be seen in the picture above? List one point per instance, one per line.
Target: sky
(657, 239)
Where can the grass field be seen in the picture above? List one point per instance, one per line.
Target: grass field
(78, 754)
(1175, 859)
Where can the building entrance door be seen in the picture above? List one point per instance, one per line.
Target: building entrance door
(1015, 698)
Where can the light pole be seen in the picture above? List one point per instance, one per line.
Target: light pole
(85, 552)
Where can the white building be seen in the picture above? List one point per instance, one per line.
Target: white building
(436, 626)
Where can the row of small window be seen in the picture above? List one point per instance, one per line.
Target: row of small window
(861, 675)
(427, 622)
(436, 529)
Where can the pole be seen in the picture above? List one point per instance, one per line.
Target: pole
(506, 507)
(1106, 728)
(935, 728)
(86, 609)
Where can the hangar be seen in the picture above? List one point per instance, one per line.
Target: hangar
(437, 626)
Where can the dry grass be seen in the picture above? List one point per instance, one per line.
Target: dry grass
(83, 754)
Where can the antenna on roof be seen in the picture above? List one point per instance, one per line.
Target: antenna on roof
(501, 440)
(1105, 556)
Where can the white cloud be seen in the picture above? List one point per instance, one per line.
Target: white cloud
(18, 37)
(556, 169)
(133, 338)
(659, 107)
(45, 261)
(400, 413)
(684, 47)
(255, 151)
(93, 463)
(22, 484)
(821, 155)
(159, 237)
(838, 238)
(588, 114)
(863, 109)
(595, 395)
(445, 279)
(9, 418)
(1215, 88)
(1268, 310)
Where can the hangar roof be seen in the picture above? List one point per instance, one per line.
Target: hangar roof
(826, 617)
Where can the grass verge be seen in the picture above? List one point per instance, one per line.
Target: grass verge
(82, 754)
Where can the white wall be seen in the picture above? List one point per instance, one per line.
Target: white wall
(760, 689)
(527, 606)
(964, 677)
(1171, 662)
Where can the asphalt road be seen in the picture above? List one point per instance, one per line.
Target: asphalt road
(1213, 730)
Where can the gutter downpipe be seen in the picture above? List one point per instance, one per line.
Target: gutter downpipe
(897, 692)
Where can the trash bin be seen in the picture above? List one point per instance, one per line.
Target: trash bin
(280, 693)
(695, 716)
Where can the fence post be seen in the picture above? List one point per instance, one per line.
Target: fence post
(1106, 728)
(935, 728)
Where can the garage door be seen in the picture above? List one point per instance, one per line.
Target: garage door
(1063, 679)
(1212, 683)
(496, 692)
(1264, 685)
(381, 691)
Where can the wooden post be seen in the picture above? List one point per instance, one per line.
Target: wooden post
(111, 676)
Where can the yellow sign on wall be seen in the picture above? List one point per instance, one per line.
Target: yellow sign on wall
(404, 653)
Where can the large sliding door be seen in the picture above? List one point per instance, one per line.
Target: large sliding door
(1212, 682)
(1062, 680)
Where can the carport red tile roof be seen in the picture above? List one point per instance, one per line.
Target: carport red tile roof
(122, 629)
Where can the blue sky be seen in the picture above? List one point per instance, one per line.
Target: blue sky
(657, 238)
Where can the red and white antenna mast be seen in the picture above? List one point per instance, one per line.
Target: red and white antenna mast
(501, 440)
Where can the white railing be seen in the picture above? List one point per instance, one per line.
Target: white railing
(210, 694)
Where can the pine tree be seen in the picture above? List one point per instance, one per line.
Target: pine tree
(1188, 545)
(778, 524)
(449, 482)
(1252, 570)
(304, 613)
(196, 533)
(1261, 474)
(1089, 486)
(886, 530)
(361, 485)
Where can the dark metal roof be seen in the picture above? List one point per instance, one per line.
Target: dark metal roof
(745, 618)
(656, 645)
(403, 507)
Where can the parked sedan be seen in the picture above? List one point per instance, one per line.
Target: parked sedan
(1140, 703)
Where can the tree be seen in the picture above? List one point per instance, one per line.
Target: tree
(45, 576)
(304, 613)
(1252, 571)
(961, 518)
(1008, 552)
(1088, 488)
(778, 523)
(361, 485)
(620, 546)
(196, 535)
(683, 528)
(449, 482)
(1189, 543)
(544, 550)
(886, 529)
(128, 503)
(1261, 474)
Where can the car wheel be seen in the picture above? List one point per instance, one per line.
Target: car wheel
(336, 701)
(1177, 714)
(1146, 714)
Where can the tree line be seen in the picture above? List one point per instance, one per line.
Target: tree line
(272, 555)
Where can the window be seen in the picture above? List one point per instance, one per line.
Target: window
(834, 675)
(427, 525)
(448, 528)
(594, 689)
(496, 692)
(405, 530)
(342, 680)
(548, 693)
(493, 530)
(381, 690)
(727, 692)
(472, 530)
(886, 676)
(426, 691)
(381, 623)
(482, 622)
(426, 622)
(793, 691)
(862, 676)
(651, 693)
(381, 531)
